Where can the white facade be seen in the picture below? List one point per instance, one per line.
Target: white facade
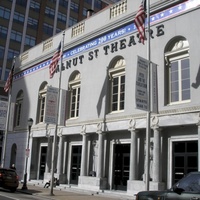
(102, 143)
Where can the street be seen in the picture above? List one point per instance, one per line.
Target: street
(7, 195)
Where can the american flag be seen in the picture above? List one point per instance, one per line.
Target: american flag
(8, 84)
(54, 61)
(140, 21)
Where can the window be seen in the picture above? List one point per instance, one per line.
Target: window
(2, 52)
(35, 6)
(18, 17)
(21, 2)
(74, 6)
(3, 32)
(72, 21)
(98, 4)
(50, 12)
(64, 3)
(4, 13)
(85, 11)
(117, 76)
(16, 36)
(30, 41)
(41, 102)
(74, 87)
(88, 1)
(62, 17)
(32, 23)
(6, 74)
(48, 29)
(178, 69)
(12, 53)
(18, 108)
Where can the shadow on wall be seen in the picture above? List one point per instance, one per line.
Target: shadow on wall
(197, 83)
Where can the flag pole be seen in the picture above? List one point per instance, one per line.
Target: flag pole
(56, 127)
(148, 129)
(7, 121)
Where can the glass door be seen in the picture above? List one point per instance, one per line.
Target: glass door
(185, 159)
(75, 164)
(42, 162)
(121, 166)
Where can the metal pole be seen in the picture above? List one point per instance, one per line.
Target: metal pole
(56, 128)
(148, 129)
(24, 187)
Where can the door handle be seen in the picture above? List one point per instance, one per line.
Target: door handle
(194, 198)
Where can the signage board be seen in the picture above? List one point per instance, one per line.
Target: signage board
(3, 114)
(141, 93)
(154, 93)
(51, 105)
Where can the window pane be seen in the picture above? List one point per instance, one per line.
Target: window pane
(185, 94)
(185, 84)
(115, 98)
(115, 89)
(174, 96)
(174, 86)
(185, 64)
(174, 76)
(114, 106)
(174, 66)
(122, 105)
(185, 73)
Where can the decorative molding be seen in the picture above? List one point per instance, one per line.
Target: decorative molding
(118, 9)
(78, 29)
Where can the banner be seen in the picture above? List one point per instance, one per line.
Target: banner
(154, 93)
(3, 114)
(141, 93)
(51, 105)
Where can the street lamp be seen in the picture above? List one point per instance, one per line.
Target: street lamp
(30, 123)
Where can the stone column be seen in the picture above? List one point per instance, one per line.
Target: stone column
(84, 152)
(100, 151)
(133, 151)
(156, 150)
(60, 152)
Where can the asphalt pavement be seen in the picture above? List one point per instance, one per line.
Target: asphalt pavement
(63, 193)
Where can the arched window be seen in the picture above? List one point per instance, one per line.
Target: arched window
(41, 102)
(18, 107)
(177, 62)
(74, 88)
(117, 77)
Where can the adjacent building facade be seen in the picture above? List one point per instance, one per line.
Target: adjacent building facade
(101, 135)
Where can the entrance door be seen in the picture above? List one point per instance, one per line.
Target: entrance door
(42, 161)
(121, 166)
(185, 159)
(75, 164)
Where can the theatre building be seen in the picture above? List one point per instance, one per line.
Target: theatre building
(101, 134)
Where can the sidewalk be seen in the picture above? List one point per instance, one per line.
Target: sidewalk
(60, 193)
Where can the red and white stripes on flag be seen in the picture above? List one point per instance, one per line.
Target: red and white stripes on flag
(140, 21)
(54, 61)
(8, 84)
